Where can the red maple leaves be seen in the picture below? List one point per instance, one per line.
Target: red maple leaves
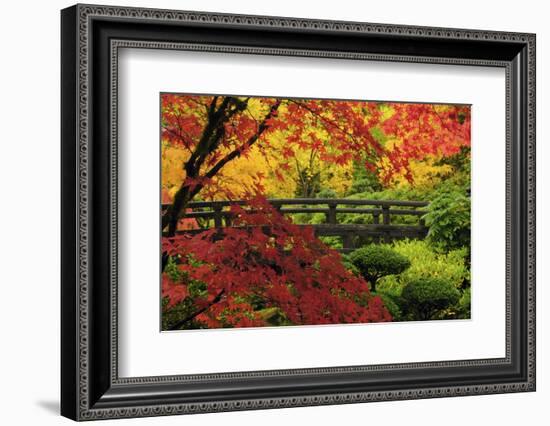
(175, 292)
(264, 262)
(340, 131)
(424, 130)
(267, 260)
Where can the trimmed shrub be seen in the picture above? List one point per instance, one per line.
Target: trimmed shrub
(348, 264)
(391, 303)
(459, 311)
(426, 263)
(376, 261)
(423, 299)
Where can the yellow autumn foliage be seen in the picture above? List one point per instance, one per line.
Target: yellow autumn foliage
(424, 173)
(172, 173)
(277, 175)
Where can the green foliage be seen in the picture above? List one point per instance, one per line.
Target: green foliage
(426, 263)
(348, 264)
(176, 313)
(327, 193)
(392, 302)
(364, 180)
(171, 269)
(333, 242)
(459, 162)
(448, 219)
(399, 193)
(308, 218)
(448, 216)
(273, 316)
(464, 304)
(425, 298)
(388, 194)
(186, 307)
(417, 193)
(377, 261)
(460, 310)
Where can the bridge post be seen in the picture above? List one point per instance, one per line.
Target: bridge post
(331, 215)
(347, 242)
(277, 206)
(217, 216)
(386, 221)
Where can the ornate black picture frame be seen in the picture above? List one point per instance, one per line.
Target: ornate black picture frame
(91, 387)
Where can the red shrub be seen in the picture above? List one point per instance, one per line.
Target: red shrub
(265, 256)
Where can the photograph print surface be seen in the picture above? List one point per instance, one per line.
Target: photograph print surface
(292, 212)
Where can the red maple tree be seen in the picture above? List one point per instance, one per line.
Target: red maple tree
(265, 258)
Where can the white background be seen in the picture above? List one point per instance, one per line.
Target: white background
(140, 343)
(29, 172)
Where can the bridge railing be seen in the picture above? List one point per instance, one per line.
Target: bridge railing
(381, 212)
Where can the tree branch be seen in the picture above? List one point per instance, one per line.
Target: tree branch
(209, 141)
(251, 141)
(184, 321)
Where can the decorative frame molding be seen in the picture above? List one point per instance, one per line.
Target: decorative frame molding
(91, 37)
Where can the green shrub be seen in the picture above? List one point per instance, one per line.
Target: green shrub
(392, 304)
(459, 175)
(426, 263)
(448, 219)
(172, 270)
(327, 193)
(377, 261)
(273, 316)
(365, 184)
(308, 218)
(464, 305)
(348, 264)
(364, 180)
(399, 193)
(425, 298)
(333, 242)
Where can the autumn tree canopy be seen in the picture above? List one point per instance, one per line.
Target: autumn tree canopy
(384, 137)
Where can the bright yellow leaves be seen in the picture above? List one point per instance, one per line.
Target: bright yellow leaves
(280, 175)
(172, 160)
(311, 147)
(423, 173)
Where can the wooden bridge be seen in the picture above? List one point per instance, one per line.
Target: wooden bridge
(379, 226)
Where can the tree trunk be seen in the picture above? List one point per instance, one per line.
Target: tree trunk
(210, 141)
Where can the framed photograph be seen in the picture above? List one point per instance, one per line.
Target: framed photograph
(263, 212)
